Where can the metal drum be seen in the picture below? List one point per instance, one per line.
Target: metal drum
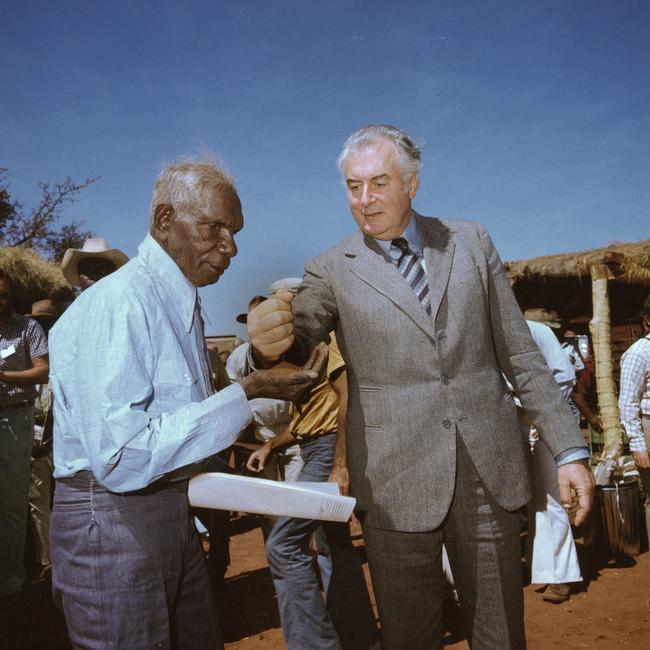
(620, 515)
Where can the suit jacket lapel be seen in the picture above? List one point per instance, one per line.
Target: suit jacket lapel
(438, 250)
(368, 262)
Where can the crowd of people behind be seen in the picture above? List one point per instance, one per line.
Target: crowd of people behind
(400, 367)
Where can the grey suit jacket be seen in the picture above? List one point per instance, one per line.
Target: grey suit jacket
(415, 382)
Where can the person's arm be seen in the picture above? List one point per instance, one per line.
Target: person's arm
(541, 398)
(290, 326)
(339, 473)
(258, 459)
(37, 374)
(584, 408)
(112, 381)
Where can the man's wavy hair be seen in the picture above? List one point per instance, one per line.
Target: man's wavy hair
(406, 152)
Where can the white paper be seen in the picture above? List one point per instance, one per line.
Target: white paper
(260, 496)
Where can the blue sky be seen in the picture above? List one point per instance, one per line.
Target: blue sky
(535, 116)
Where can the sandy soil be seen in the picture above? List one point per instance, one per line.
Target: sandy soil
(610, 610)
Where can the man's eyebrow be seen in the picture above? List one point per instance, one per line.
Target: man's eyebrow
(374, 178)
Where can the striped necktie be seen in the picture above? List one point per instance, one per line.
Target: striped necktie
(411, 268)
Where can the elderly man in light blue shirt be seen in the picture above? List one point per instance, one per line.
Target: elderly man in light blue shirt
(135, 417)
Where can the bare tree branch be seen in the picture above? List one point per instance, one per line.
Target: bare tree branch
(37, 229)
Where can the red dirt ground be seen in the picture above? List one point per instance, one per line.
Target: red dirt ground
(610, 610)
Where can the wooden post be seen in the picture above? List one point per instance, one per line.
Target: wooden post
(600, 328)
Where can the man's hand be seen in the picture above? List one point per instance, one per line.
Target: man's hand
(576, 475)
(287, 383)
(339, 474)
(270, 327)
(641, 459)
(258, 459)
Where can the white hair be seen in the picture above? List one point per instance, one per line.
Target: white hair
(406, 152)
(190, 183)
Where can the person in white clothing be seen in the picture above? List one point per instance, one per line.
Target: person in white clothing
(551, 550)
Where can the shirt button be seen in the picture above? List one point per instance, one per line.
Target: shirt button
(446, 424)
(445, 379)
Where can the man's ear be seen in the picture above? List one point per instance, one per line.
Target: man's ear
(163, 219)
(414, 184)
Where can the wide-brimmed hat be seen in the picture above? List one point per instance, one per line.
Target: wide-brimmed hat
(253, 302)
(93, 247)
(45, 309)
(285, 284)
(541, 315)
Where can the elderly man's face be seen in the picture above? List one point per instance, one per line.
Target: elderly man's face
(202, 240)
(379, 204)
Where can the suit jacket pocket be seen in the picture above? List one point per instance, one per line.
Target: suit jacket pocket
(365, 413)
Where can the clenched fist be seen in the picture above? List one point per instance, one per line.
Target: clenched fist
(270, 327)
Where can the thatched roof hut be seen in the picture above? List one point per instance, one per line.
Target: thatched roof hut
(562, 282)
(33, 278)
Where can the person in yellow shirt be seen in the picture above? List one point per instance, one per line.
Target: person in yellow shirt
(344, 619)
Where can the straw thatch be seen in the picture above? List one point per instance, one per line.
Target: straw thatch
(563, 282)
(33, 278)
(628, 262)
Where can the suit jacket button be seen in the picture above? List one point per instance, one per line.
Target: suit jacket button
(446, 424)
(445, 379)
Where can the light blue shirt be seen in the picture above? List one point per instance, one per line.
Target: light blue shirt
(563, 373)
(133, 399)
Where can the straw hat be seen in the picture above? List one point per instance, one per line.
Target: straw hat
(93, 247)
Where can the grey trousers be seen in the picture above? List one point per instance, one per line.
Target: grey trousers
(128, 570)
(482, 540)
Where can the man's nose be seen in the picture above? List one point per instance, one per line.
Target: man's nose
(227, 245)
(366, 196)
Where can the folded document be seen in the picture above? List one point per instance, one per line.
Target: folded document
(264, 497)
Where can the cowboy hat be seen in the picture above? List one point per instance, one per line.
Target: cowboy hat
(541, 315)
(45, 309)
(93, 247)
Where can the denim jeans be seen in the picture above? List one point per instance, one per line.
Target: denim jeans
(16, 436)
(345, 618)
(128, 570)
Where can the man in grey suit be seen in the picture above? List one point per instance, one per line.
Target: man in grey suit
(429, 327)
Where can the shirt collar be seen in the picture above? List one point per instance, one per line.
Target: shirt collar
(412, 236)
(163, 268)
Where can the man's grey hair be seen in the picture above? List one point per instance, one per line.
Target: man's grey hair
(190, 183)
(406, 152)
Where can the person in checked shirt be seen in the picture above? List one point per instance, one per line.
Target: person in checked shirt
(634, 402)
(23, 364)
